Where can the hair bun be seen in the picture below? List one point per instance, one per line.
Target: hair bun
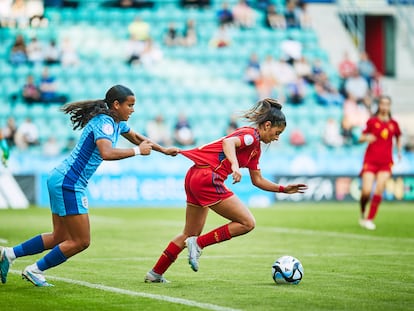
(273, 102)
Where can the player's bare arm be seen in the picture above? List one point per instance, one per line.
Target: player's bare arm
(259, 181)
(109, 153)
(229, 147)
(138, 139)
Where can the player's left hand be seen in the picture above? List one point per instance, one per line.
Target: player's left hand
(295, 188)
(172, 151)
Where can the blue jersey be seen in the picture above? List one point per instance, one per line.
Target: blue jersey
(85, 157)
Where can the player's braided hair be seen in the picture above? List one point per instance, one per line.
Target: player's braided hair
(264, 110)
(82, 111)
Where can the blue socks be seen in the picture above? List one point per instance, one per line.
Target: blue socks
(30, 247)
(53, 258)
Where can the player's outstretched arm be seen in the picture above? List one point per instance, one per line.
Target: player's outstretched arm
(137, 139)
(259, 181)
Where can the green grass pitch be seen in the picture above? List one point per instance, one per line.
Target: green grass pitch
(346, 267)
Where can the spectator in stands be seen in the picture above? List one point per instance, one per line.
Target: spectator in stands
(5, 12)
(332, 136)
(318, 71)
(195, 3)
(139, 29)
(18, 53)
(273, 19)
(291, 17)
(52, 53)
(376, 85)
(303, 15)
(171, 37)
(303, 69)
(134, 50)
(357, 86)
(183, 133)
(221, 38)
(356, 114)
(34, 49)
(244, 15)
(30, 91)
(19, 16)
(297, 138)
(9, 131)
(69, 56)
(366, 67)
(50, 147)
(296, 91)
(157, 130)
(189, 37)
(346, 67)
(151, 54)
(284, 73)
(225, 15)
(252, 71)
(326, 93)
(27, 135)
(49, 89)
(291, 50)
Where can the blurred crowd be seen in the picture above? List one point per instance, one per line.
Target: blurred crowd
(291, 77)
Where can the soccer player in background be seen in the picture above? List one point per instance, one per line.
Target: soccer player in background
(102, 121)
(205, 188)
(379, 133)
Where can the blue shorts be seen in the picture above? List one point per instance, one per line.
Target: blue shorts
(64, 199)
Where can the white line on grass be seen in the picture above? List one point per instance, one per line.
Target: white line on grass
(186, 302)
(334, 234)
(3, 241)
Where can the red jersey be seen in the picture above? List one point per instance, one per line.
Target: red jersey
(212, 154)
(380, 151)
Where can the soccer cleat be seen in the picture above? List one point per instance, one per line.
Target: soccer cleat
(36, 278)
(369, 225)
(194, 252)
(152, 277)
(362, 222)
(4, 265)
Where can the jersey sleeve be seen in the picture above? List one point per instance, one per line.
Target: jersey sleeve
(368, 127)
(124, 127)
(247, 137)
(254, 161)
(104, 128)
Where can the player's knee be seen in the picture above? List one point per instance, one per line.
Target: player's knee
(83, 244)
(249, 224)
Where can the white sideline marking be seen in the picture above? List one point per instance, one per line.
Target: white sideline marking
(186, 302)
(3, 241)
(334, 234)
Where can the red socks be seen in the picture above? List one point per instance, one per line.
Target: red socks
(376, 200)
(215, 236)
(166, 259)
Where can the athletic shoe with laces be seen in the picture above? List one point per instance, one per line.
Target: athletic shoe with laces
(370, 225)
(194, 252)
(34, 277)
(152, 277)
(4, 265)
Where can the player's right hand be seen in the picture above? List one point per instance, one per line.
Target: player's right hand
(145, 147)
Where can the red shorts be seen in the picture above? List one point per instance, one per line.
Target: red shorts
(204, 187)
(376, 168)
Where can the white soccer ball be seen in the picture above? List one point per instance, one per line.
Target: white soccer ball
(287, 270)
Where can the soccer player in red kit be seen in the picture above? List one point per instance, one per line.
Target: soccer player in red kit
(379, 134)
(205, 188)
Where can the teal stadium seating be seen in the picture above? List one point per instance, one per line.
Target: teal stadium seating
(205, 83)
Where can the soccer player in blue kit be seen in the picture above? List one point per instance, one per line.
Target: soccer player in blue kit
(102, 121)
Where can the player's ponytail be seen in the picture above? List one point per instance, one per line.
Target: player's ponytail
(268, 109)
(82, 111)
